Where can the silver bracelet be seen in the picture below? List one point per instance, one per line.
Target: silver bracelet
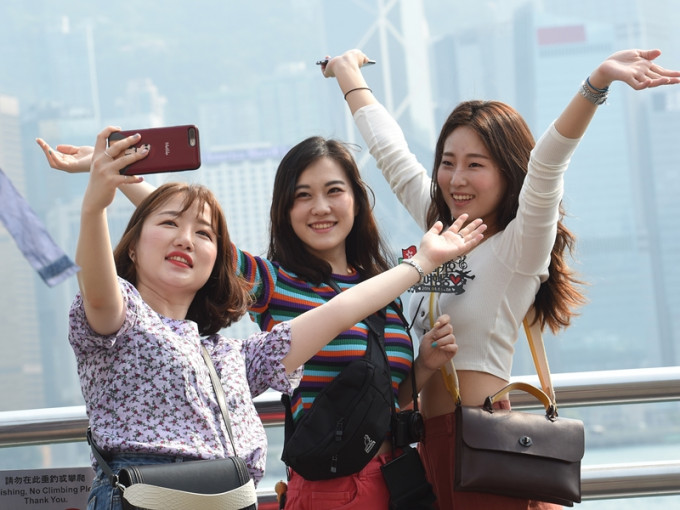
(596, 97)
(413, 263)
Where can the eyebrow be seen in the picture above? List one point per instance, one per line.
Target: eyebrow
(175, 214)
(471, 155)
(327, 184)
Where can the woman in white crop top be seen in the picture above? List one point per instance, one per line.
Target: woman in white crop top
(486, 165)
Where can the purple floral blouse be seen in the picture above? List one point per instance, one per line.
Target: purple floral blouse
(147, 388)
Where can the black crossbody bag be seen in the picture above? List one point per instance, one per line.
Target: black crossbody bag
(347, 423)
(218, 484)
(350, 419)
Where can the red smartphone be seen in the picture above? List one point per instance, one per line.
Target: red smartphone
(171, 149)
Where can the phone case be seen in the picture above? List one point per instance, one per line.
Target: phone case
(171, 149)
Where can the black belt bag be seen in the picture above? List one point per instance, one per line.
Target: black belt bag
(347, 423)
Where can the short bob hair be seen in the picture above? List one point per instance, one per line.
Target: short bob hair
(224, 297)
(366, 251)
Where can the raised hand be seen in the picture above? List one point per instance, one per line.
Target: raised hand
(67, 158)
(106, 164)
(634, 67)
(440, 247)
(351, 58)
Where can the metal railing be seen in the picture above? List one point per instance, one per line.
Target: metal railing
(610, 481)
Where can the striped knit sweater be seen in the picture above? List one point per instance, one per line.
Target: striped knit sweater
(281, 295)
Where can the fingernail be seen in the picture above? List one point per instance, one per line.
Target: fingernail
(434, 344)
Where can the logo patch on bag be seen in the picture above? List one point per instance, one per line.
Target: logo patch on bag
(368, 443)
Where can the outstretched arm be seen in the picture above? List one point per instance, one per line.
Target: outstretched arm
(97, 278)
(634, 67)
(74, 159)
(383, 136)
(312, 330)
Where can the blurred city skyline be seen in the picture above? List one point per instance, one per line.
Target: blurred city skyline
(245, 74)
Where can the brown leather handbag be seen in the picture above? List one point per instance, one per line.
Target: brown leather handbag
(519, 454)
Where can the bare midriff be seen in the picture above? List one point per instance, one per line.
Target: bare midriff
(435, 399)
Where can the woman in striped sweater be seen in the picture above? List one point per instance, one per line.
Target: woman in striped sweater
(322, 228)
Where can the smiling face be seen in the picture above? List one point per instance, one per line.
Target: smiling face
(323, 210)
(469, 179)
(176, 250)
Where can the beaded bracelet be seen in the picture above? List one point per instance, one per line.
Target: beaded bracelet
(413, 263)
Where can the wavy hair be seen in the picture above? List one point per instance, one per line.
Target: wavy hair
(365, 249)
(509, 141)
(224, 298)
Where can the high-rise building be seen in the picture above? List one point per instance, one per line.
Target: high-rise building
(242, 178)
(609, 193)
(21, 369)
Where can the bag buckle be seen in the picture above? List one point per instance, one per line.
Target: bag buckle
(115, 481)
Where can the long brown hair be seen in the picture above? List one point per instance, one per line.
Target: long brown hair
(364, 247)
(224, 297)
(509, 141)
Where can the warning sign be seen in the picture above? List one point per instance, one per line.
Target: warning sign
(45, 489)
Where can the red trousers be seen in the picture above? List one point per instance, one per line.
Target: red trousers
(438, 453)
(365, 490)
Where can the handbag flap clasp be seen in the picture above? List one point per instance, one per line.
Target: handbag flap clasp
(521, 432)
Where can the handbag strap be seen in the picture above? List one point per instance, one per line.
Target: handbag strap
(448, 370)
(154, 497)
(99, 457)
(532, 329)
(550, 409)
(219, 393)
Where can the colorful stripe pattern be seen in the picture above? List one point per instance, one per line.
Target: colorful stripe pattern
(281, 295)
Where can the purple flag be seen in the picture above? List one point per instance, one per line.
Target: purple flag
(30, 235)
